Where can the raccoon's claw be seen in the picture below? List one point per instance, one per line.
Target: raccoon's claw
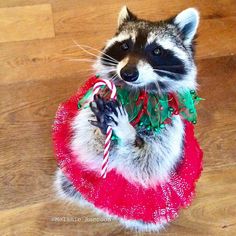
(97, 107)
(102, 110)
(119, 121)
(118, 116)
(112, 113)
(108, 113)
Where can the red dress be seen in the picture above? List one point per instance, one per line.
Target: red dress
(115, 194)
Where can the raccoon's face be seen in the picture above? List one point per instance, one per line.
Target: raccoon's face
(152, 55)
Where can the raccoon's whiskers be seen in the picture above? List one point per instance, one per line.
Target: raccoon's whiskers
(104, 70)
(88, 60)
(158, 88)
(94, 60)
(114, 77)
(166, 71)
(82, 47)
(80, 60)
(169, 66)
(87, 46)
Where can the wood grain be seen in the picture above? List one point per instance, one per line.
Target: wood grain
(217, 80)
(53, 60)
(212, 213)
(26, 23)
(36, 75)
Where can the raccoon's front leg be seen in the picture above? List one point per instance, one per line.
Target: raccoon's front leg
(112, 113)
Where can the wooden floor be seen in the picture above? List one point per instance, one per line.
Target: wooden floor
(36, 38)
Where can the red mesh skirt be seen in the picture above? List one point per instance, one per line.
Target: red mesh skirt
(116, 195)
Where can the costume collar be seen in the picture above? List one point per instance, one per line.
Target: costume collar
(151, 111)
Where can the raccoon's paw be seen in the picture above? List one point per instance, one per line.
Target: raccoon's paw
(119, 121)
(100, 109)
(112, 113)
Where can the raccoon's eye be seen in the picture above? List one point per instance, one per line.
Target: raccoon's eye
(124, 46)
(157, 51)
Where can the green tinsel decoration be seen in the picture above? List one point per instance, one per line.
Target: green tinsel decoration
(150, 111)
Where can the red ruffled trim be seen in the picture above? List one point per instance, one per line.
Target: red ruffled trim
(115, 194)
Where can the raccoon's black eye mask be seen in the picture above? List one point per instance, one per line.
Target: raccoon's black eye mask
(164, 60)
(159, 58)
(118, 51)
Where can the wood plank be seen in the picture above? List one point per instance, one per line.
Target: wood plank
(216, 38)
(35, 76)
(36, 64)
(216, 128)
(211, 213)
(27, 111)
(26, 23)
(159, 8)
(105, 15)
(55, 218)
(218, 32)
(25, 145)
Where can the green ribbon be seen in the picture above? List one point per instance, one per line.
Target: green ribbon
(157, 110)
(83, 100)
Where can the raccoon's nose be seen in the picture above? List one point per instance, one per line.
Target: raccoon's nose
(129, 73)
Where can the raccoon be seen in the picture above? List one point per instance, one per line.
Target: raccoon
(157, 57)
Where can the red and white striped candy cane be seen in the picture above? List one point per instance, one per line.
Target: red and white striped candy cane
(96, 88)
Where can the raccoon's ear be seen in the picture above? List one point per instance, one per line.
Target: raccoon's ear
(125, 15)
(187, 21)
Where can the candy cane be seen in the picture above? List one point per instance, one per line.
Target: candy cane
(96, 88)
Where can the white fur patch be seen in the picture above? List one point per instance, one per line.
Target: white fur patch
(121, 65)
(146, 73)
(187, 83)
(123, 15)
(121, 37)
(123, 129)
(84, 143)
(138, 226)
(158, 157)
(190, 17)
(103, 70)
(167, 43)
